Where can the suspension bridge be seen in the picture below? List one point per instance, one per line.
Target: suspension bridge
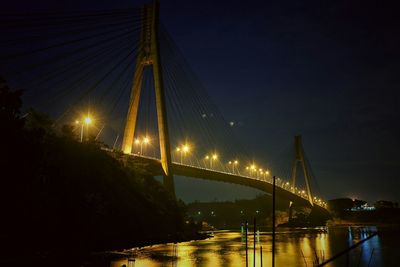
(118, 75)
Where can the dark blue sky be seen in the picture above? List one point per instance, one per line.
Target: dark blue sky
(328, 70)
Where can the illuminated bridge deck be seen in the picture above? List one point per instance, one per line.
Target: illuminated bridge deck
(154, 166)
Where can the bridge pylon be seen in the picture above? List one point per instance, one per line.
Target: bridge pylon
(149, 56)
(299, 158)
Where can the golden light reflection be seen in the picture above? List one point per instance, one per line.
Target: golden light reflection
(293, 248)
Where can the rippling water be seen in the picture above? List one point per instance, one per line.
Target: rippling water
(299, 247)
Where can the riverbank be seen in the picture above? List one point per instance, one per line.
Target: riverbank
(103, 258)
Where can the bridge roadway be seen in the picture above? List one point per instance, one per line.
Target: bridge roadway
(153, 165)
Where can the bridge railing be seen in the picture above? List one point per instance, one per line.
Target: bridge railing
(279, 182)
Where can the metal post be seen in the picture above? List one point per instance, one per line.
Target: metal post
(254, 242)
(273, 222)
(247, 255)
(81, 132)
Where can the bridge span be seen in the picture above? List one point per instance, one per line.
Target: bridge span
(154, 167)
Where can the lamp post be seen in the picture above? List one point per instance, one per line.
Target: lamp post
(233, 163)
(183, 150)
(86, 121)
(145, 140)
(211, 158)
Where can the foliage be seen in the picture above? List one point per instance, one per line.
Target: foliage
(59, 194)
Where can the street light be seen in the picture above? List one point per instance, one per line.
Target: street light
(233, 164)
(183, 150)
(86, 121)
(212, 157)
(145, 140)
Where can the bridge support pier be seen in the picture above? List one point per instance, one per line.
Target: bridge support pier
(290, 211)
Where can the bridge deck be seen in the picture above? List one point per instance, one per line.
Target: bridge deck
(213, 175)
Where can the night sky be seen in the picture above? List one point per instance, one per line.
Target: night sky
(328, 70)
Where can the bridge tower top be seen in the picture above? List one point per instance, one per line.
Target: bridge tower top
(299, 158)
(149, 56)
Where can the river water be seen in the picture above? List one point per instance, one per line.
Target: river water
(294, 247)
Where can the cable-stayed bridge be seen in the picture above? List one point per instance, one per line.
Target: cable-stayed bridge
(118, 75)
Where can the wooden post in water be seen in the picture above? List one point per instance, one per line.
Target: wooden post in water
(261, 256)
(247, 255)
(254, 242)
(273, 222)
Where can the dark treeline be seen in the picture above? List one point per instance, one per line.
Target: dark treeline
(346, 210)
(231, 214)
(58, 194)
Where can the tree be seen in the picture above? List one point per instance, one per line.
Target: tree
(10, 105)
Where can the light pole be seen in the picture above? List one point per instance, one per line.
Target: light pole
(88, 121)
(183, 150)
(235, 163)
(145, 140)
(252, 169)
(213, 157)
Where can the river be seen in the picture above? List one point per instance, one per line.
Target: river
(294, 247)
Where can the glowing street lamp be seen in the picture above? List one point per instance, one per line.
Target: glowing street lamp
(252, 169)
(233, 164)
(184, 149)
(211, 158)
(144, 141)
(214, 157)
(86, 121)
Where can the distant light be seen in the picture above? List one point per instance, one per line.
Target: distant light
(215, 156)
(76, 122)
(137, 141)
(185, 148)
(207, 157)
(236, 162)
(88, 120)
(232, 123)
(230, 162)
(178, 149)
(267, 172)
(146, 140)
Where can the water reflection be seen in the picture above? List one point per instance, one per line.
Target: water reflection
(301, 247)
